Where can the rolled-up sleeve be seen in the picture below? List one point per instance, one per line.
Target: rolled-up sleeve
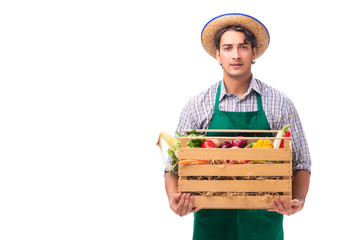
(301, 153)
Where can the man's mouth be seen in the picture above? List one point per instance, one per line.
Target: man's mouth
(236, 65)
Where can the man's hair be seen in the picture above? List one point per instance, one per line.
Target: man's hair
(249, 36)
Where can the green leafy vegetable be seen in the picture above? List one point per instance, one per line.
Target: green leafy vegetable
(175, 160)
(192, 143)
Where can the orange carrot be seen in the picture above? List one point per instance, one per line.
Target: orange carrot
(193, 161)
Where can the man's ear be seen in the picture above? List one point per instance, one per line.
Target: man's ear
(218, 56)
(254, 53)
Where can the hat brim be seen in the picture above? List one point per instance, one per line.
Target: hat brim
(237, 19)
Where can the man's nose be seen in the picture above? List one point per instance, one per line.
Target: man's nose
(236, 53)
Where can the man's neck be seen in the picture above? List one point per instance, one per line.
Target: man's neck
(237, 86)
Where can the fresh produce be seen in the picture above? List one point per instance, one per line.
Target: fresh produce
(216, 141)
(263, 143)
(198, 141)
(250, 144)
(281, 133)
(208, 144)
(174, 145)
(233, 161)
(193, 161)
(239, 142)
(192, 143)
(172, 151)
(287, 134)
(237, 161)
(225, 145)
(170, 140)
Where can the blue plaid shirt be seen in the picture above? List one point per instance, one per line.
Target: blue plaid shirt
(278, 108)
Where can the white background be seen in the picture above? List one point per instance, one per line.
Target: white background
(86, 87)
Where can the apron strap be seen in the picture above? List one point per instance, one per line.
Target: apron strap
(258, 99)
(217, 98)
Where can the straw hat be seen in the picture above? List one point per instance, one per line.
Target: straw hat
(252, 24)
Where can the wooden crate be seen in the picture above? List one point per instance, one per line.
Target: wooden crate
(267, 180)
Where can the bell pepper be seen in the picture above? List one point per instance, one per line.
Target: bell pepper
(287, 134)
(263, 143)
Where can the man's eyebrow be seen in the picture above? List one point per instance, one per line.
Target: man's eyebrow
(230, 44)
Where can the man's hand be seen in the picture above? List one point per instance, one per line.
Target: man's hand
(182, 204)
(287, 208)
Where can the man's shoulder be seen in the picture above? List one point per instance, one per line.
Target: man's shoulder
(205, 95)
(199, 108)
(273, 96)
(268, 90)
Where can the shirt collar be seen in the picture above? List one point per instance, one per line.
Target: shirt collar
(254, 85)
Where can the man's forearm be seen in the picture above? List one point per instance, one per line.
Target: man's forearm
(301, 183)
(181, 204)
(171, 184)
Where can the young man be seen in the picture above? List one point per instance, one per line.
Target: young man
(240, 101)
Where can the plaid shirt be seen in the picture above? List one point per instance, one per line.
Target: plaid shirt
(278, 108)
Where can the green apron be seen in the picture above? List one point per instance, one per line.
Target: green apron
(247, 224)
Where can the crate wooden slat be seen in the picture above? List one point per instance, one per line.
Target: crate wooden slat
(242, 202)
(237, 170)
(234, 185)
(231, 130)
(283, 154)
(262, 181)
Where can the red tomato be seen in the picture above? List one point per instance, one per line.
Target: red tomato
(244, 161)
(208, 144)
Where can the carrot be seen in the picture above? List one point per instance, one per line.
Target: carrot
(193, 161)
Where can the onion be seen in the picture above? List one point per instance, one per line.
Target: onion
(216, 141)
(239, 142)
(225, 145)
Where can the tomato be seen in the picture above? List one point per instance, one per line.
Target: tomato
(244, 161)
(208, 144)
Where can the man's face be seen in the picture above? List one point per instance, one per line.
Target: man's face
(235, 55)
